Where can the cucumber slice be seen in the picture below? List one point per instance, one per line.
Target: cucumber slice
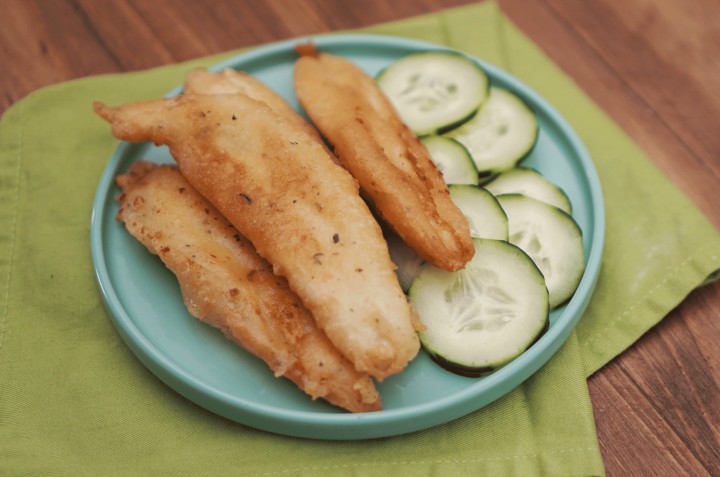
(452, 159)
(482, 317)
(502, 133)
(482, 210)
(531, 183)
(408, 262)
(552, 238)
(434, 91)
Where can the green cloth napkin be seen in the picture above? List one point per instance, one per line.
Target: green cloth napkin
(75, 401)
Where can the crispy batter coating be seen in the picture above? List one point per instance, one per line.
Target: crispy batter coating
(229, 81)
(393, 167)
(281, 189)
(225, 283)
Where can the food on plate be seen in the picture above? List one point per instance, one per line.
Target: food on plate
(452, 159)
(303, 213)
(445, 94)
(434, 91)
(230, 81)
(408, 262)
(482, 317)
(529, 182)
(552, 238)
(225, 283)
(500, 135)
(394, 170)
(485, 216)
(529, 256)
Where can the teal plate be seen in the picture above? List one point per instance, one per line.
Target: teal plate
(196, 360)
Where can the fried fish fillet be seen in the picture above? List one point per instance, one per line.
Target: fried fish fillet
(394, 169)
(229, 81)
(303, 213)
(225, 283)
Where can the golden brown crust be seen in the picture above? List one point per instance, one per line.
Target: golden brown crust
(302, 212)
(391, 165)
(306, 49)
(228, 285)
(229, 81)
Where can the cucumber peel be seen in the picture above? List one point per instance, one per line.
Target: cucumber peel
(482, 317)
(434, 91)
(500, 135)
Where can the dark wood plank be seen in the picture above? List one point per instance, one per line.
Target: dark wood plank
(66, 39)
(637, 116)
(672, 371)
(663, 390)
(125, 34)
(657, 404)
(46, 42)
(634, 438)
(648, 46)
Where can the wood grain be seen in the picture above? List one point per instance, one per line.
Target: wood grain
(653, 66)
(656, 406)
(614, 88)
(677, 74)
(48, 41)
(641, 435)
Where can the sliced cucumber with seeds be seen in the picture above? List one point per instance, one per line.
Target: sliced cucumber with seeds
(482, 210)
(501, 134)
(452, 159)
(434, 91)
(531, 183)
(482, 317)
(486, 219)
(552, 238)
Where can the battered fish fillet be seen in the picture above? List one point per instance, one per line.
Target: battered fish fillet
(393, 167)
(229, 81)
(303, 213)
(225, 283)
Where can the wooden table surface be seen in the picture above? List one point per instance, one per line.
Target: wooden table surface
(652, 65)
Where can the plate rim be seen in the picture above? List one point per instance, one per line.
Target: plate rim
(387, 422)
